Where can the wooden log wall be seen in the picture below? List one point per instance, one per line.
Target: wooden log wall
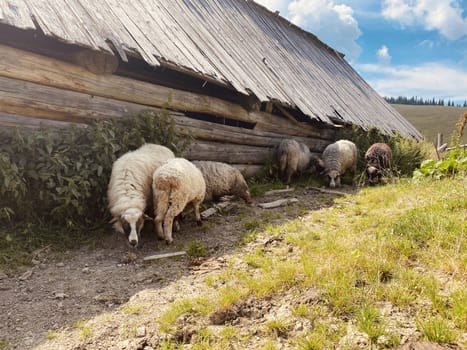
(35, 88)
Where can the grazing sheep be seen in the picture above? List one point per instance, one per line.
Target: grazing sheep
(223, 179)
(175, 184)
(378, 159)
(337, 158)
(294, 158)
(129, 189)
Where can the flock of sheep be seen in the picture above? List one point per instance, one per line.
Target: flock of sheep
(337, 158)
(153, 175)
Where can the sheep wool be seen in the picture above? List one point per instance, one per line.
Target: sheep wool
(223, 179)
(378, 160)
(337, 158)
(129, 189)
(176, 183)
(293, 157)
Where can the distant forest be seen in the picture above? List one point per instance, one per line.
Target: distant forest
(415, 100)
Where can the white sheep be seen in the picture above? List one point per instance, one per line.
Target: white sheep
(378, 160)
(129, 189)
(175, 184)
(337, 158)
(294, 158)
(223, 179)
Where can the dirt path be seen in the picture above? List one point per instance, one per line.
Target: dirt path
(57, 294)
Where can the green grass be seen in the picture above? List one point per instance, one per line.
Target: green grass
(4, 344)
(431, 120)
(391, 245)
(131, 309)
(51, 335)
(196, 250)
(85, 330)
(436, 329)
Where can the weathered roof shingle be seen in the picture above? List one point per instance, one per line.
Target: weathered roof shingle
(235, 42)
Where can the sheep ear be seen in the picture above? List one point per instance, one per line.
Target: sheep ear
(113, 220)
(147, 217)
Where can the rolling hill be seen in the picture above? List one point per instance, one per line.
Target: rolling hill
(431, 120)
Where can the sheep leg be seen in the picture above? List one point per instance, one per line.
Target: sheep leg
(196, 205)
(292, 167)
(161, 200)
(158, 222)
(172, 212)
(282, 166)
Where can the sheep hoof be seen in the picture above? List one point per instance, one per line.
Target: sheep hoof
(168, 241)
(199, 222)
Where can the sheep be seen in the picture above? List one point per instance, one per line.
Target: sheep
(175, 184)
(129, 189)
(337, 158)
(293, 157)
(378, 159)
(223, 179)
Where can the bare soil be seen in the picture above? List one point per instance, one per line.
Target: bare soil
(41, 308)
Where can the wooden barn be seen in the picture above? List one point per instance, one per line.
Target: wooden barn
(236, 76)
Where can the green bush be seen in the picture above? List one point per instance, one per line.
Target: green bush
(455, 163)
(61, 178)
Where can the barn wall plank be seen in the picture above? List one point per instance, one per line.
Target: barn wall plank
(44, 102)
(22, 65)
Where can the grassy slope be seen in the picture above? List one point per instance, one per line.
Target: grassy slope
(380, 262)
(430, 120)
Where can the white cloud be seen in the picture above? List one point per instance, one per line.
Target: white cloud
(331, 23)
(427, 80)
(383, 55)
(445, 16)
(275, 5)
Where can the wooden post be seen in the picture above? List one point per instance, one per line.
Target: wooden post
(440, 141)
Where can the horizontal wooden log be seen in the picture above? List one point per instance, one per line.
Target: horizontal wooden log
(23, 65)
(278, 203)
(26, 98)
(9, 120)
(223, 133)
(228, 153)
(96, 62)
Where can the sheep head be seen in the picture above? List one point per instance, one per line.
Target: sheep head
(131, 223)
(334, 178)
(372, 172)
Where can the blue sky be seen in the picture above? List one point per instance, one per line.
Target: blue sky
(400, 47)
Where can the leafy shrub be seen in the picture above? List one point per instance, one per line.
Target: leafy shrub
(61, 178)
(454, 162)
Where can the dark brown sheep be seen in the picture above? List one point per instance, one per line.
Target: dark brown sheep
(378, 160)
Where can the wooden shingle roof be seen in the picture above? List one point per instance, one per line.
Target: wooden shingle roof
(237, 43)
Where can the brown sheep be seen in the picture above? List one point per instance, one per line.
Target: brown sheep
(378, 160)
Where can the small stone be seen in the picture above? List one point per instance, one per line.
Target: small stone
(25, 275)
(86, 270)
(59, 295)
(60, 264)
(35, 262)
(140, 332)
(298, 327)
